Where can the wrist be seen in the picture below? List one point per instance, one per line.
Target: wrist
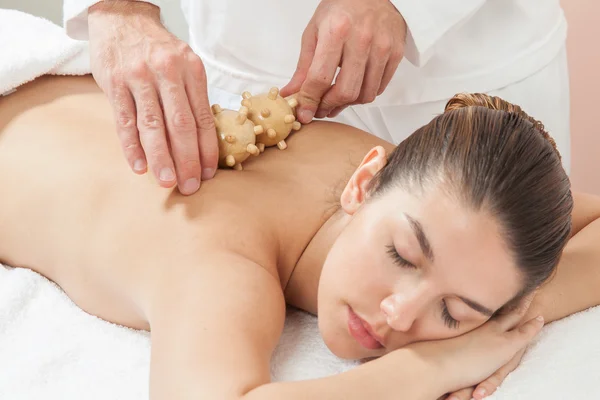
(429, 369)
(125, 7)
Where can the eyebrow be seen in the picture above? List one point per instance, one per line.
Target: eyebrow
(477, 307)
(426, 249)
(421, 237)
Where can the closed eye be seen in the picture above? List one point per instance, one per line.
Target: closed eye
(397, 258)
(448, 319)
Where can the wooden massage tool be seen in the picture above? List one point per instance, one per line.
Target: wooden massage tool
(264, 120)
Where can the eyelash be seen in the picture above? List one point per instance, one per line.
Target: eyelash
(448, 320)
(398, 258)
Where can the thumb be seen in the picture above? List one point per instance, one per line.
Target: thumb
(307, 53)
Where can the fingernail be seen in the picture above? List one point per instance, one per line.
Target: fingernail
(306, 116)
(208, 173)
(166, 175)
(540, 318)
(139, 165)
(191, 186)
(479, 393)
(322, 113)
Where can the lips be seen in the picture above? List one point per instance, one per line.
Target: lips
(362, 332)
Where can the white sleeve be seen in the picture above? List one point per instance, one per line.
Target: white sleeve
(428, 20)
(75, 14)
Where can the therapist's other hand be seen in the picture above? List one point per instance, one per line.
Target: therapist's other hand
(157, 87)
(364, 38)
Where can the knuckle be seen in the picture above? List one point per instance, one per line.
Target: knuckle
(367, 98)
(210, 154)
(383, 47)
(197, 67)
(397, 55)
(167, 63)
(340, 26)
(189, 165)
(116, 80)
(138, 70)
(131, 147)
(125, 121)
(365, 38)
(348, 96)
(158, 154)
(151, 121)
(315, 85)
(206, 120)
(318, 81)
(183, 121)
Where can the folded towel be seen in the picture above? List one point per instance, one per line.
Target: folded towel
(51, 349)
(31, 47)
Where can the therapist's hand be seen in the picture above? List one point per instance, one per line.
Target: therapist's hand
(157, 88)
(364, 38)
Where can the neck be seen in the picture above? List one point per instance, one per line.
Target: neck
(302, 288)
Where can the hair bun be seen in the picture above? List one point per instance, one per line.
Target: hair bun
(496, 103)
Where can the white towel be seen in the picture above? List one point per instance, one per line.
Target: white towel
(31, 47)
(50, 349)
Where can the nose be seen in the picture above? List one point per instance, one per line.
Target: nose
(401, 311)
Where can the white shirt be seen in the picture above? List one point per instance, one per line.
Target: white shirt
(452, 45)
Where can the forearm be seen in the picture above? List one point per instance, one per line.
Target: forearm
(401, 374)
(125, 6)
(576, 285)
(75, 14)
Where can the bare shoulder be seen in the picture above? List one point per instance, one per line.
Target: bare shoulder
(214, 329)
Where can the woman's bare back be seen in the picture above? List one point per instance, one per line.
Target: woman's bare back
(73, 211)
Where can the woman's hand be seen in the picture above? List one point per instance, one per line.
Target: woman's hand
(157, 88)
(365, 38)
(490, 385)
(472, 358)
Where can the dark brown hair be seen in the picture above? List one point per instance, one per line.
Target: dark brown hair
(494, 158)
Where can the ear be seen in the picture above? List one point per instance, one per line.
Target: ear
(355, 192)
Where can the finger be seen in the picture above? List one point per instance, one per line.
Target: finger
(307, 54)
(205, 123)
(127, 131)
(523, 334)
(464, 394)
(348, 84)
(391, 67)
(336, 111)
(182, 134)
(512, 317)
(378, 59)
(328, 54)
(489, 386)
(151, 125)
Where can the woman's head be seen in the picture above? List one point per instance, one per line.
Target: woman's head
(466, 216)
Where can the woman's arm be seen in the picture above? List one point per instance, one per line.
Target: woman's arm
(213, 332)
(401, 374)
(213, 335)
(576, 285)
(424, 370)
